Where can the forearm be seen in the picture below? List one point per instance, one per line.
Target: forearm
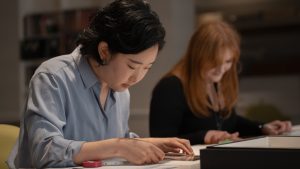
(98, 150)
(247, 127)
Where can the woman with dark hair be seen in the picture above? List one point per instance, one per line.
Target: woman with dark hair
(196, 99)
(78, 104)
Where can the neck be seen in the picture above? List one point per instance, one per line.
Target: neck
(215, 96)
(98, 71)
(104, 89)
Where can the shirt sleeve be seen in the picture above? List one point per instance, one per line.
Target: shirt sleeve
(45, 119)
(246, 127)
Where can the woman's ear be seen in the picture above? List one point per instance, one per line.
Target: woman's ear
(103, 51)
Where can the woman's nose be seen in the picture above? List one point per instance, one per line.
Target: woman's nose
(219, 69)
(222, 68)
(133, 78)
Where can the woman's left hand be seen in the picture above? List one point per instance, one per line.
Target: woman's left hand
(171, 144)
(277, 127)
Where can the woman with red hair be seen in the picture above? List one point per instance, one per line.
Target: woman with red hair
(196, 99)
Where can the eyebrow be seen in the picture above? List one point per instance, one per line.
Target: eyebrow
(137, 62)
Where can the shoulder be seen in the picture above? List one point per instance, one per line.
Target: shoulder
(170, 85)
(56, 73)
(172, 82)
(56, 64)
(61, 67)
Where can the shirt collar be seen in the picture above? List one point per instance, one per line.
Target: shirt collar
(87, 75)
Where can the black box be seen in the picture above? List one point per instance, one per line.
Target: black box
(266, 152)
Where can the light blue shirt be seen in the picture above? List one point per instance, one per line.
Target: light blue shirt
(63, 112)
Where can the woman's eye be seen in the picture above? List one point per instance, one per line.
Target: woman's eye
(229, 61)
(130, 67)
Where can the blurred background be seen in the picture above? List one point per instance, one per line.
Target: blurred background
(33, 31)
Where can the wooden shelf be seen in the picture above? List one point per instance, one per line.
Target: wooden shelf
(47, 35)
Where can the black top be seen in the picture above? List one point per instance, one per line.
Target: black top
(170, 116)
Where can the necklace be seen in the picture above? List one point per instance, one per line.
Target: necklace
(216, 101)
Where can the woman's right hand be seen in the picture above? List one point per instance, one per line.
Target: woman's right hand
(133, 150)
(277, 127)
(215, 136)
(140, 152)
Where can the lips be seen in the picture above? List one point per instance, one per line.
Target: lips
(125, 85)
(218, 74)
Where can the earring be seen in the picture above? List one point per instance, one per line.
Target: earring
(103, 62)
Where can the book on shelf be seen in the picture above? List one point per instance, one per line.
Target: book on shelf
(54, 33)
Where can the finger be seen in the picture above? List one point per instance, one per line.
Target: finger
(166, 149)
(214, 139)
(142, 159)
(235, 135)
(223, 136)
(288, 125)
(229, 136)
(183, 146)
(187, 144)
(282, 127)
(207, 138)
(155, 155)
(270, 128)
(155, 158)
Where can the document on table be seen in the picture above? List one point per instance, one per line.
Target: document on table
(197, 148)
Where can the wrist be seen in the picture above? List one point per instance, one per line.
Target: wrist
(109, 148)
(263, 128)
(120, 146)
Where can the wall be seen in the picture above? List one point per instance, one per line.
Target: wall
(281, 91)
(178, 19)
(9, 59)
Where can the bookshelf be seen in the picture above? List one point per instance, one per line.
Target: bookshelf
(47, 35)
(269, 37)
